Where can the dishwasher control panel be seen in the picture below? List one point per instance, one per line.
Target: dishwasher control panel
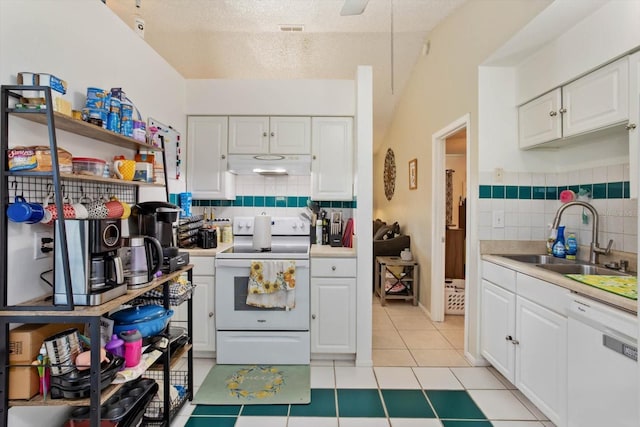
(620, 347)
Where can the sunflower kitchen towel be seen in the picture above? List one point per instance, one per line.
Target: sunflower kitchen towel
(272, 284)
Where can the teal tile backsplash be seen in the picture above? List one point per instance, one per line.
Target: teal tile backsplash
(268, 201)
(529, 201)
(610, 190)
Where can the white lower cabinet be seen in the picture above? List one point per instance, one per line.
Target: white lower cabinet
(541, 358)
(333, 305)
(523, 334)
(204, 331)
(498, 323)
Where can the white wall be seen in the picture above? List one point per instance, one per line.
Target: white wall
(442, 88)
(271, 97)
(364, 213)
(609, 32)
(83, 42)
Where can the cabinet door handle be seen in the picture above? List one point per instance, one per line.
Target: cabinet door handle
(333, 268)
(314, 157)
(264, 134)
(508, 338)
(631, 126)
(313, 316)
(223, 157)
(562, 110)
(553, 113)
(273, 134)
(211, 314)
(515, 342)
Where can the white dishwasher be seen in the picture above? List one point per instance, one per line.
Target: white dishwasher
(602, 365)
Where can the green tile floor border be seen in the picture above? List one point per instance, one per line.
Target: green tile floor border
(323, 404)
(407, 404)
(466, 423)
(454, 408)
(210, 421)
(265, 410)
(217, 410)
(361, 403)
(454, 404)
(600, 190)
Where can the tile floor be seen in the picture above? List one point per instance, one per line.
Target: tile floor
(420, 378)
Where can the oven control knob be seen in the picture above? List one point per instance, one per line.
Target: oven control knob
(300, 226)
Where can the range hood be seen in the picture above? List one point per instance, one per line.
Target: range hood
(269, 164)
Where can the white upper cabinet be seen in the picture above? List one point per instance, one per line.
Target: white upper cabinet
(248, 135)
(332, 158)
(269, 135)
(290, 135)
(207, 175)
(597, 100)
(539, 120)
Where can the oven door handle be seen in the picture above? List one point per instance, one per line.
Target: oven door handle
(240, 263)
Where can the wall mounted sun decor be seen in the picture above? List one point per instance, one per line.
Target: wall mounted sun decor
(389, 174)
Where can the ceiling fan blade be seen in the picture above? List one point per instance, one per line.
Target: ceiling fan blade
(353, 7)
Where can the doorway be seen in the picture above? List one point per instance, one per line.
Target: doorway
(449, 196)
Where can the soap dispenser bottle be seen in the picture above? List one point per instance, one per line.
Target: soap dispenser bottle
(572, 246)
(559, 249)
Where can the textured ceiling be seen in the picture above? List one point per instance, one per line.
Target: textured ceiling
(241, 39)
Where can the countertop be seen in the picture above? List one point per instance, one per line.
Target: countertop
(208, 252)
(326, 251)
(317, 251)
(559, 280)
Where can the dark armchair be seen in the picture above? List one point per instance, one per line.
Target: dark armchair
(388, 241)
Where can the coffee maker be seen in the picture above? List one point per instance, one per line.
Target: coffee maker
(160, 220)
(95, 267)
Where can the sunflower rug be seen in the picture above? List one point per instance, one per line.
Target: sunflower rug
(255, 385)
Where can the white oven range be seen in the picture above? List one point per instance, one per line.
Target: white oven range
(254, 335)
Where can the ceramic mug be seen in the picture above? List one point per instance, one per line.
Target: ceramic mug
(97, 210)
(81, 211)
(114, 209)
(22, 211)
(124, 169)
(126, 210)
(68, 210)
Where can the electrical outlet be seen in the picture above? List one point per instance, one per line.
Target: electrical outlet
(139, 26)
(498, 219)
(37, 244)
(498, 176)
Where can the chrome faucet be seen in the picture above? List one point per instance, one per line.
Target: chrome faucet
(595, 247)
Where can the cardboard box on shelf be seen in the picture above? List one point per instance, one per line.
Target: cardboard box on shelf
(24, 382)
(25, 341)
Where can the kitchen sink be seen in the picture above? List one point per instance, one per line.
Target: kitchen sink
(538, 259)
(581, 269)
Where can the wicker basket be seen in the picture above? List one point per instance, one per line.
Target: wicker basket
(454, 299)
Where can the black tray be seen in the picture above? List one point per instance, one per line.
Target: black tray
(125, 408)
(77, 384)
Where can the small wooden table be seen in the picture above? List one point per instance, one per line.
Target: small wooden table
(404, 278)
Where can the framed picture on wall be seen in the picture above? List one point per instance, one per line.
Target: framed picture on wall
(413, 174)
